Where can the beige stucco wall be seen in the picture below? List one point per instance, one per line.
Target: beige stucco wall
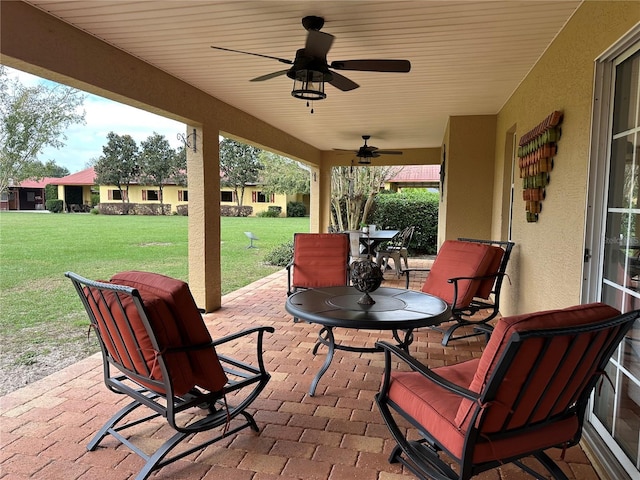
(546, 266)
(468, 191)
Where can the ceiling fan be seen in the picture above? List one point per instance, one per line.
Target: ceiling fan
(366, 152)
(310, 69)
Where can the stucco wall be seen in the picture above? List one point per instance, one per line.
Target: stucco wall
(546, 266)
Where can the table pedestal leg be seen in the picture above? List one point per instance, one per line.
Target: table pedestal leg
(330, 342)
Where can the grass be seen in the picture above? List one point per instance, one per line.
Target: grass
(40, 311)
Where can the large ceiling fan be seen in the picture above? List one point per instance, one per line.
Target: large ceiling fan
(310, 69)
(366, 152)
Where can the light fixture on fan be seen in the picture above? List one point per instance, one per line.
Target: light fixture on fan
(309, 77)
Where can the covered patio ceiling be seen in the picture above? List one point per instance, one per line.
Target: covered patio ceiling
(467, 57)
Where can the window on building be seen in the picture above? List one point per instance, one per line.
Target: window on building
(117, 195)
(183, 195)
(259, 197)
(226, 196)
(151, 195)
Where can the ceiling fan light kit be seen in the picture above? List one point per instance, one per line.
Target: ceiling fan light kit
(310, 69)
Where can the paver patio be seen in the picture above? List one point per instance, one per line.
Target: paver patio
(337, 434)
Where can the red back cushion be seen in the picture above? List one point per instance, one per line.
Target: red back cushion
(320, 260)
(128, 341)
(189, 326)
(484, 290)
(564, 384)
(458, 259)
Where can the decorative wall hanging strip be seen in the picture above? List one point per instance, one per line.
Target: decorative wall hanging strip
(536, 151)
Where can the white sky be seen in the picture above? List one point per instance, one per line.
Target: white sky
(85, 142)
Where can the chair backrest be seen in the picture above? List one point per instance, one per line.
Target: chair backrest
(320, 260)
(404, 237)
(150, 328)
(460, 259)
(502, 252)
(540, 368)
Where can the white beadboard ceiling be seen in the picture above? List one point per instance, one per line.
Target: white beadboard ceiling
(467, 57)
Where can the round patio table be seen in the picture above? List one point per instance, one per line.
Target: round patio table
(398, 310)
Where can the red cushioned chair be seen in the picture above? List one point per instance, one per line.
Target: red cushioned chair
(319, 260)
(467, 274)
(527, 392)
(157, 350)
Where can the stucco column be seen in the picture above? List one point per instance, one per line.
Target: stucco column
(320, 202)
(203, 170)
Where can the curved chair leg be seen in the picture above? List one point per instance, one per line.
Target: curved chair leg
(448, 334)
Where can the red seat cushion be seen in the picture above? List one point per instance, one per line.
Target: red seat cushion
(188, 324)
(459, 259)
(504, 329)
(320, 260)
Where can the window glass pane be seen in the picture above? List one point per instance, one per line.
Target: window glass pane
(615, 248)
(605, 399)
(226, 196)
(627, 427)
(625, 105)
(623, 174)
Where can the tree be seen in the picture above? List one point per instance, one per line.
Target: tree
(119, 164)
(159, 163)
(239, 165)
(51, 169)
(353, 190)
(283, 175)
(31, 119)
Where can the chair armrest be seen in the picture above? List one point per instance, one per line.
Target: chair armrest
(409, 270)
(242, 333)
(420, 368)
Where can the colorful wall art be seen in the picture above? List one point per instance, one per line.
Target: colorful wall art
(536, 151)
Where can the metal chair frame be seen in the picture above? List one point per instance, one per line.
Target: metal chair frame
(467, 315)
(397, 250)
(197, 411)
(422, 456)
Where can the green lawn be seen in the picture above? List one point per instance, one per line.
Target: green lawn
(40, 310)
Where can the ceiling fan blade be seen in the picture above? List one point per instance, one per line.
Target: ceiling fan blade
(388, 152)
(269, 76)
(343, 83)
(318, 44)
(282, 60)
(398, 66)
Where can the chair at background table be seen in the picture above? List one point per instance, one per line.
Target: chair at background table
(396, 250)
(466, 274)
(157, 350)
(527, 392)
(319, 260)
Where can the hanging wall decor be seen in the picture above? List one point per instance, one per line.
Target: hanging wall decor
(536, 151)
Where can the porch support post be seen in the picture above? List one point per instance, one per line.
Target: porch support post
(320, 202)
(203, 171)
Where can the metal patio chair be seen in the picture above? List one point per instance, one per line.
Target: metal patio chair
(157, 350)
(468, 274)
(528, 392)
(396, 250)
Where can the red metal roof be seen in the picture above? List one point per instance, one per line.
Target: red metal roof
(37, 183)
(417, 174)
(83, 177)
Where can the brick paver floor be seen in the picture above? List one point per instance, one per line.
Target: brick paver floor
(337, 434)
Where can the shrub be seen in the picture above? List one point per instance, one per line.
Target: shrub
(235, 211)
(416, 207)
(55, 205)
(296, 209)
(51, 192)
(280, 256)
(94, 211)
(272, 212)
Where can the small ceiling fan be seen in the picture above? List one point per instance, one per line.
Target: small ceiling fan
(366, 152)
(310, 67)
